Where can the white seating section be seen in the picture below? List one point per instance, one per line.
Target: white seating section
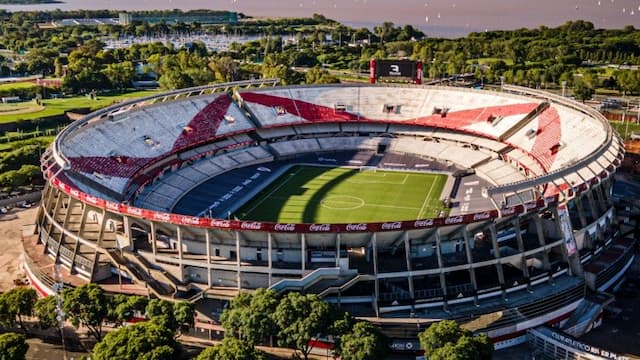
(349, 143)
(295, 147)
(366, 102)
(166, 191)
(443, 151)
(498, 172)
(147, 131)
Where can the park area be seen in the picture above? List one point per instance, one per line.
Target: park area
(29, 110)
(313, 194)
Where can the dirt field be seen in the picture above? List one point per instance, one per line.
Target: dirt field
(11, 245)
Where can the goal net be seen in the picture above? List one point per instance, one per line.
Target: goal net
(368, 169)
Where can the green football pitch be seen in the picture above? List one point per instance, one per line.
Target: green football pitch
(311, 194)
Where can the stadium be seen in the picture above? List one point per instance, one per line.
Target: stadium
(404, 204)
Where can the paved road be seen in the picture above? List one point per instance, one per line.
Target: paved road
(39, 350)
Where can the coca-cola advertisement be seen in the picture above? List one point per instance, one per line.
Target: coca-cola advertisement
(426, 223)
(221, 224)
(284, 227)
(247, 225)
(319, 228)
(355, 227)
(391, 226)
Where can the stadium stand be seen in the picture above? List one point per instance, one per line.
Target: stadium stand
(295, 147)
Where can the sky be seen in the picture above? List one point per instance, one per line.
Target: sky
(431, 16)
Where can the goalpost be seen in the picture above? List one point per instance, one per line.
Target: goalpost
(368, 168)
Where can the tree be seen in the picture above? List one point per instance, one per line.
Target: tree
(13, 346)
(124, 307)
(582, 90)
(120, 75)
(316, 75)
(364, 342)
(161, 312)
(301, 318)
(224, 69)
(446, 340)
(86, 305)
(249, 316)
(20, 301)
(184, 313)
(145, 341)
(231, 349)
(45, 310)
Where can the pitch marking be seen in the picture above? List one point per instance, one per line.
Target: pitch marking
(427, 198)
(342, 202)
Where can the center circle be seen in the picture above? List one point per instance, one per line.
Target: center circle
(342, 202)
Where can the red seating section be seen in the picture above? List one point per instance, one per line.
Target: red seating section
(548, 137)
(205, 124)
(110, 166)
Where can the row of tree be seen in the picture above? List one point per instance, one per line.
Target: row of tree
(19, 163)
(534, 57)
(293, 320)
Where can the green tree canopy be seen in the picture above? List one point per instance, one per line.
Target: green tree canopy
(13, 346)
(123, 307)
(46, 311)
(582, 90)
(301, 318)
(231, 349)
(446, 340)
(86, 305)
(161, 312)
(20, 302)
(184, 314)
(249, 316)
(143, 341)
(364, 342)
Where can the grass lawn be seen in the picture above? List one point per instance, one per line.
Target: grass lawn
(625, 129)
(18, 85)
(309, 194)
(59, 106)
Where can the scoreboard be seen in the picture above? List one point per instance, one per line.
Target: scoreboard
(396, 68)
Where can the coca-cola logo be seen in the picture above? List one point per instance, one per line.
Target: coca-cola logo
(508, 211)
(453, 220)
(423, 223)
(356, 227)
(482, 216)
(392, 226)
(284, 227)
(530, 206)
(75, 193)
(112, 206)
(134, 211)
(91, 199)
(161, 216)
(320, 227)
(221, 223)
(189, 220)
(251, 226)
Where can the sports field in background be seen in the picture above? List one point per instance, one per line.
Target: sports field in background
(310, 194)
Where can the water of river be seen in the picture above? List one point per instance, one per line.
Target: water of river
(448, 18)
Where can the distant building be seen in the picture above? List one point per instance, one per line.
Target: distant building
(125, 19)
(222, 17)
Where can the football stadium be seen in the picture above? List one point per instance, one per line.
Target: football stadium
(404, 204)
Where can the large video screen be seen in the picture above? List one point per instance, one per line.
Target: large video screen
(396, 68)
